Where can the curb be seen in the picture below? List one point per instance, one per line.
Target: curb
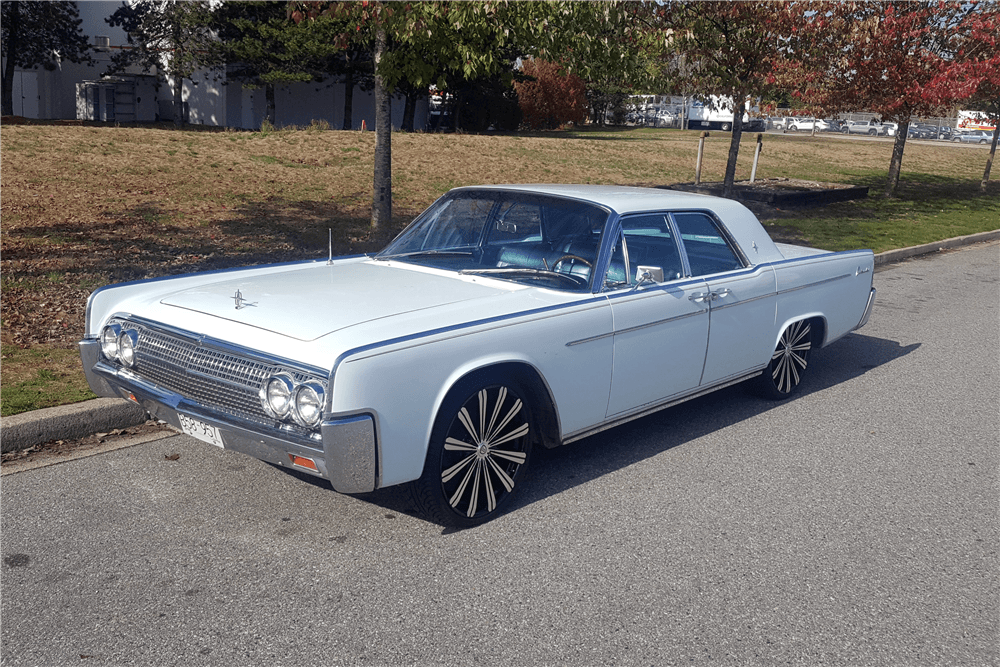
(70, 422)
(898, 255)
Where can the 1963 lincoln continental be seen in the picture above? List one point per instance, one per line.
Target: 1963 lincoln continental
(502, 318)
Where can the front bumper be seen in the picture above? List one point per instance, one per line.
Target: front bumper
(344, 452)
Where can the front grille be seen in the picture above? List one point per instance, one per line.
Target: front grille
(220, 380)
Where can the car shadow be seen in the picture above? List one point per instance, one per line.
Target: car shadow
(554, 471)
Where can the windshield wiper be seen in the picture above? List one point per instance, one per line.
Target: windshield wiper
(418, 253)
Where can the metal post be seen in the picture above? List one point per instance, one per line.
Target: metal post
(756, 156)
(701, 153)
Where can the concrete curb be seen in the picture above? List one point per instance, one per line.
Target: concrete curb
(898, 255)
(70, 422)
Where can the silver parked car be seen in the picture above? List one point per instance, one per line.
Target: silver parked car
(973, 137)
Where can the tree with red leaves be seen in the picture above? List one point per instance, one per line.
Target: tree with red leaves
(897, 59)
(550, 97)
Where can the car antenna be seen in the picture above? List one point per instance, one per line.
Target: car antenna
(330, 245)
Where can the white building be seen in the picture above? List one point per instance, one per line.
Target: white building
(81, 92)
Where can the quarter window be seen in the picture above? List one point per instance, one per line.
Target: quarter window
(707, 249)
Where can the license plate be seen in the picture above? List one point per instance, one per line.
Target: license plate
(201, 430)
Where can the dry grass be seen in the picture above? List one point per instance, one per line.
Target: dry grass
(84, 206)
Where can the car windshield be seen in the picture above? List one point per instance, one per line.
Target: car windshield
(524, 237)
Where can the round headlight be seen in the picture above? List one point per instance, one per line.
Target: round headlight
(109, 341)
(276, 396)
(127, 340)
(309, 404)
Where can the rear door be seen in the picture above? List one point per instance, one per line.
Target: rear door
(741, 299)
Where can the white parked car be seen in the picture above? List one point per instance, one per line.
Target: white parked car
(503, 318)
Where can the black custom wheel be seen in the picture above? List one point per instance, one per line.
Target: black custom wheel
(478, 452)
(791, 356)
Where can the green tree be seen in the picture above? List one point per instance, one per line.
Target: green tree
(725, 49)
(38, 34)
(456, 40)
(172, 36)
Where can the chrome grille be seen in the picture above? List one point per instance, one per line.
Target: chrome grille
(220, 380)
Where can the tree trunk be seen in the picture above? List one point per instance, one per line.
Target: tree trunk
(734, 152)
(13, 37)
(349, 96)
(897, 158)
(409, 110)
(993, 152)
(269, 112)
(382, 203)
(178, 101)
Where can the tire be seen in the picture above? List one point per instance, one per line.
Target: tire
(784, 372)
(872, 133)
(479, 450)
(956, 140)
(726, 127)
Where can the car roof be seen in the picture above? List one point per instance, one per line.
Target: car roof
(621, 199)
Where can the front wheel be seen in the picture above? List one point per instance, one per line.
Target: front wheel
(788, 363)
(479, 451)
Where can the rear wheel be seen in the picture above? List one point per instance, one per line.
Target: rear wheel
(788, 363)
(478, 452)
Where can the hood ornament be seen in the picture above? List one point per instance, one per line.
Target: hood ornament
(241, 303)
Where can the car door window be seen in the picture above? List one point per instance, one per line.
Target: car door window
(707, 249)
(646, 245)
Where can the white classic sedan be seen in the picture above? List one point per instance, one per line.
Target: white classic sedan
(503, 318)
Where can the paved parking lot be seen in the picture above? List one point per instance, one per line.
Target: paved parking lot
(854, 525)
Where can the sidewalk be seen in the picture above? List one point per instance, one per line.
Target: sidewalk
(71, 422)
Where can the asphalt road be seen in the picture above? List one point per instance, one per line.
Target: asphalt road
(854, 525)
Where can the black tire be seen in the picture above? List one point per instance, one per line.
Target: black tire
(726, 127)
(872, 133)
(468, 478)
(784, 372)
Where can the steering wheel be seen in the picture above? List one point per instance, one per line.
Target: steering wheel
(562, 259)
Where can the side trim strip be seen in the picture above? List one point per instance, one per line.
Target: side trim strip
(638, 327)
(818, 282)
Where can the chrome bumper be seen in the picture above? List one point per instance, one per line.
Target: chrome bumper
(868, 310)
(343, 452)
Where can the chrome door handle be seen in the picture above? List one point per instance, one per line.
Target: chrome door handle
(700, 297)
(721, 293)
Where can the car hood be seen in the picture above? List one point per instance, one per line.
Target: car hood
(306, 304)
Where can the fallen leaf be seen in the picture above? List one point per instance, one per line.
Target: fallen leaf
(171, 457)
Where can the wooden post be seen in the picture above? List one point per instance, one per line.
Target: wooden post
(701, 153)
(756, 156)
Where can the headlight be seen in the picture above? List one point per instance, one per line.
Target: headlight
(309, 404)
(276, 396)
(127, 341)
(109, 341)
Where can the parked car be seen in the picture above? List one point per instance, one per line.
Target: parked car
(501, 319)
(868, 127)
(973, 137)
(807, 124)
(780, 122)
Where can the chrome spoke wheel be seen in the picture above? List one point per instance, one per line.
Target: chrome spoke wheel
(789, 360)
(478, 452)
(484, 448)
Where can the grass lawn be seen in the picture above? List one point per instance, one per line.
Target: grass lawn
(84, 206)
